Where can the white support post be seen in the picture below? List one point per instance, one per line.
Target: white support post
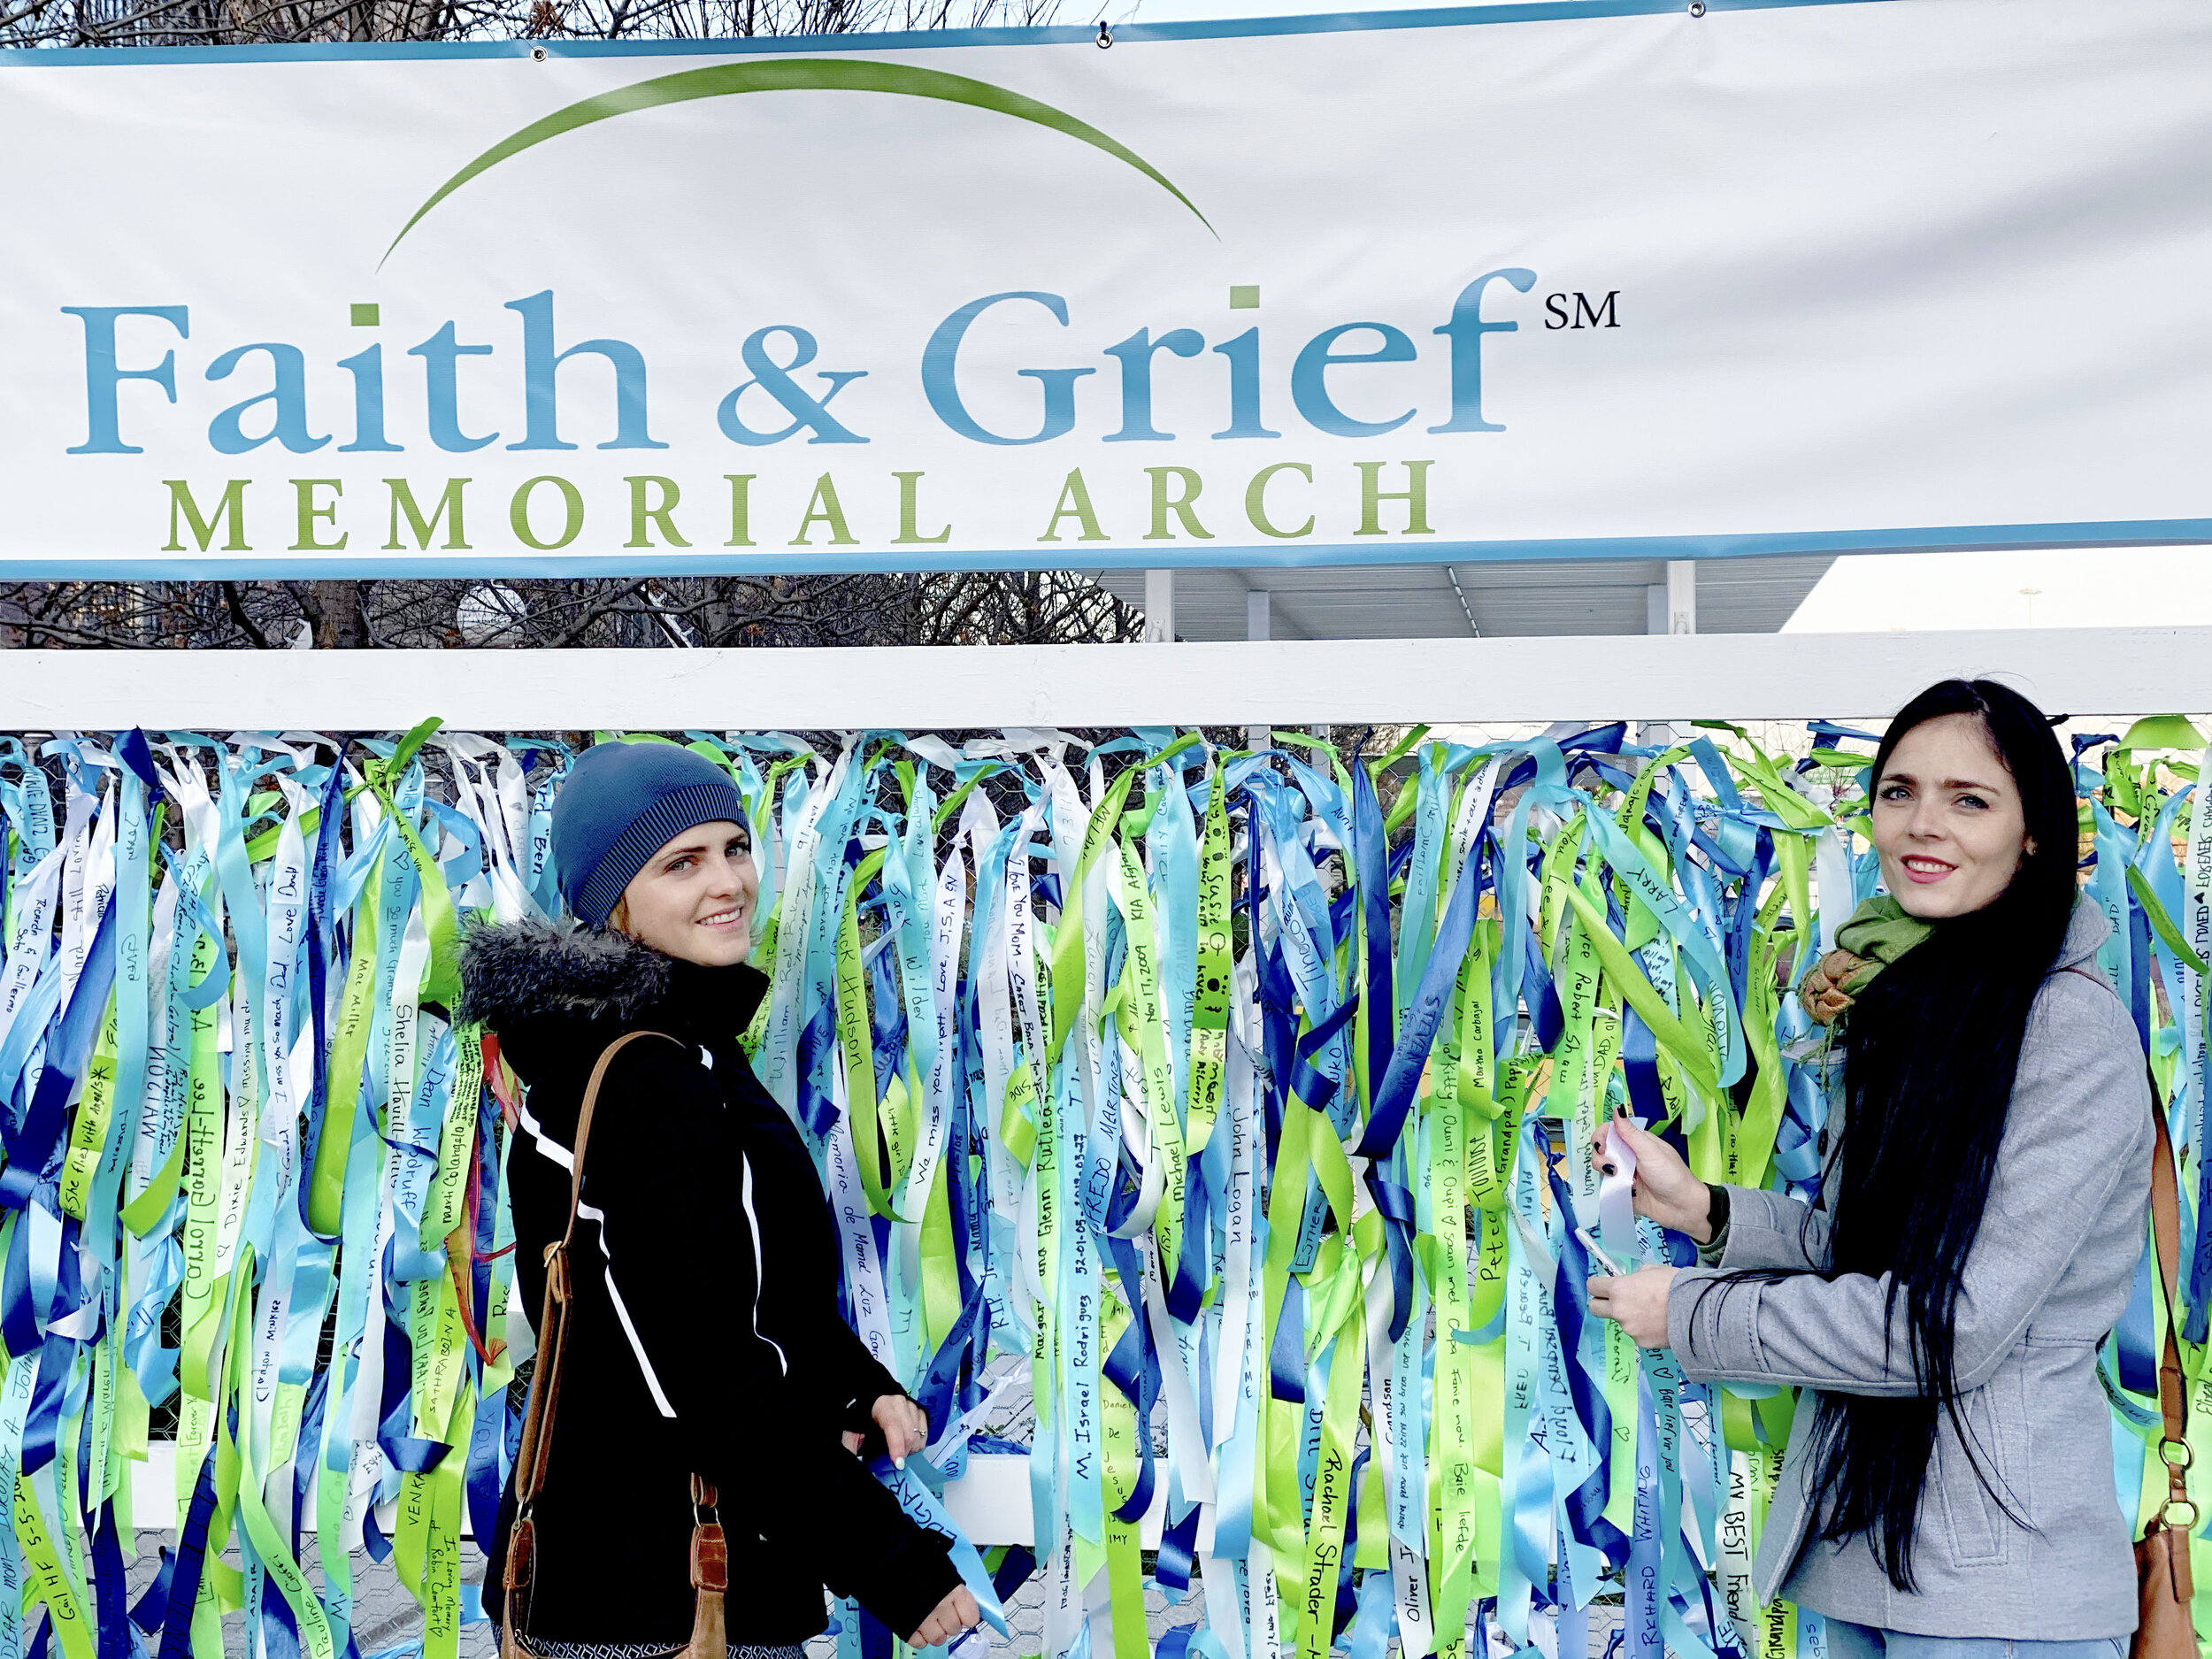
(1682, 596)
(1670, 608)
(1258, 622)
(1159, 607)
(1655, 734)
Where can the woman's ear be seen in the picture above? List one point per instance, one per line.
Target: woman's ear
(619, 917)
(2027, 848)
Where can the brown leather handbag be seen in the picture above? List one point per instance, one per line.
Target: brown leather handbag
(709, 1550)
(2163, 1629)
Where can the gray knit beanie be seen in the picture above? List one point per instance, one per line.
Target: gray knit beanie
(618, 804)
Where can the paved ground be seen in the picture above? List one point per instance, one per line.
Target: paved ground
(386, 1616)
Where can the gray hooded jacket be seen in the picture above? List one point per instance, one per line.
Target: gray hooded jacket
(2048, 1277)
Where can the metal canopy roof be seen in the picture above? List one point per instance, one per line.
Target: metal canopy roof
(1738, 595)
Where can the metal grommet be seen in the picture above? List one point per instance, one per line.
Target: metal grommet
(1105, 35)
(1697, 8)
(538, 54)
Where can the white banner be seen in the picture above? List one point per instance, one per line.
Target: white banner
(1574, 279)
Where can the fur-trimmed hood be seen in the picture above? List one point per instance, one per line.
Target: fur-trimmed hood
(518, 971)
(555, 995)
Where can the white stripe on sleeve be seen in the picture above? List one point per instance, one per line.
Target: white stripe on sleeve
(760, 1262)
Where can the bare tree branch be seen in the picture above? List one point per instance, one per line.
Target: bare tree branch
(238, 614)
(127, 23)
(942, 608)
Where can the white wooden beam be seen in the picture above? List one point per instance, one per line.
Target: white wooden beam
(1282, 682)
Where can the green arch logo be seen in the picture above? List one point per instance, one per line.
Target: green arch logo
(795, 74)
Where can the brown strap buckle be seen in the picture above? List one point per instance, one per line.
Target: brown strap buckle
(709, 1548)
(521, 1552)
(710, 1558)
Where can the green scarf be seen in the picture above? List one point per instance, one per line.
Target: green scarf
(1878, 933)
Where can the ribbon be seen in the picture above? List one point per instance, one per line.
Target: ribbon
(1175, 1089)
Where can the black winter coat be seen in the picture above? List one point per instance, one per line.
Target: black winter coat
(683, 1354)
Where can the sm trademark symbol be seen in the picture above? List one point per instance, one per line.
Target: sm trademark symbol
(1584, 315)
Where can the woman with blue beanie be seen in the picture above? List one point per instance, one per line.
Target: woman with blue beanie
(704, 1338)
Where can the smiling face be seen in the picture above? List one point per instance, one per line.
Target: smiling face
(1949, 824)
(694, 899)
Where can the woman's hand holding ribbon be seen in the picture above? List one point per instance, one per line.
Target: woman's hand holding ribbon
(1664, 1188)
(1638, 1303)
(905, 1427)
(955, 1613)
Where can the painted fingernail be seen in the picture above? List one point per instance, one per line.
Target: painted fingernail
(1609, 1169)
(1620, 1111)
(898, 1463)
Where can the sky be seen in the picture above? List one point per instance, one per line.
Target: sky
(2073, 588)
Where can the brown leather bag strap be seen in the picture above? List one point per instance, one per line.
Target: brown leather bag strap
(2173, 1385)
(583, 1121)
(2164, 1583)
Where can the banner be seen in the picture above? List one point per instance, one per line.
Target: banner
(1602, 278)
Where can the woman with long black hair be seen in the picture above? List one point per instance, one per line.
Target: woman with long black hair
(1948, 1485)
